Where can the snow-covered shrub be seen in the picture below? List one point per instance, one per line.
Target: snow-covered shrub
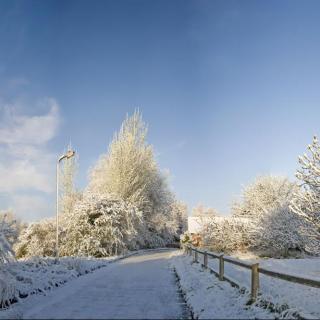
(8, 234)
(227, 234)
(306, 201)
(100, 226)
(14, 224)
(7, 290)
(278, 233)
(275, 229)
(185, 238)
(38, 239)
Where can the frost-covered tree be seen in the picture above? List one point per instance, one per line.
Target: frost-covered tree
(202, 211)
(306, 201)
(275, 228)
(8, 233)
(129, 172)
(101, 225)
(38, 239)
(264, 194)
(179, 213)
(129, 169)
(15, 223)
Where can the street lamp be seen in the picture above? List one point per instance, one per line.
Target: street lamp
(68, 155)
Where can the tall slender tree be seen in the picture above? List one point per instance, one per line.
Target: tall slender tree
(129, 169)
(130, 172)
(306, 201)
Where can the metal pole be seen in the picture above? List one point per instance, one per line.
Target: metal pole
(68, 155)
(57, 211)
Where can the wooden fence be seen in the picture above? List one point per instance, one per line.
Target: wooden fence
(254, 267)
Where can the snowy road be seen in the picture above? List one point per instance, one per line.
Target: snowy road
(141, 286)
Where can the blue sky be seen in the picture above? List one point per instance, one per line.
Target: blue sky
(230, 90)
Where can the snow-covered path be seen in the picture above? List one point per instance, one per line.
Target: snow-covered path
(141, 286)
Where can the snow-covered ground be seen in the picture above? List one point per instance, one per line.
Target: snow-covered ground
(26, 278)
(141, 286)
(295, 298)
(210, 298)
(304, 299)
(144, 286)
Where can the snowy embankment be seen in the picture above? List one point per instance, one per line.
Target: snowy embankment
(209, 298)
(301, 299)
(25, 278)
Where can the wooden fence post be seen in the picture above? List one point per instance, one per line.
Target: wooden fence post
(221, 267)
(205, 259)
(254, 281)
(196, 256)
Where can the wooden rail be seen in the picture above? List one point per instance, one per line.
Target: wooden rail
(254, 267)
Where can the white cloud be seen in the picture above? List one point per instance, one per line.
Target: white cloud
(26, 163)
(24, 175)
(30, 207)
(32, 130)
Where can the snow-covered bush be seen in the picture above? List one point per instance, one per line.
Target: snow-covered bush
(227, 234)
(14, 224)
(7, 290)
(278, 233)
(306, 201)
(275, 229)
(38, 239)
(100, 226)
(8, 234)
